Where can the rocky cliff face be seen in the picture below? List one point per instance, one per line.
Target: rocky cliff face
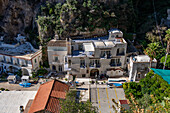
(15, 16)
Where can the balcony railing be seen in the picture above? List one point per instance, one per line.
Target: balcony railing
(98, 65)
(91, 65)
(114, 64)
(120, 54)
(82, 66)
(119, 64)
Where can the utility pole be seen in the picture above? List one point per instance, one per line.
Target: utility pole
(96, 87)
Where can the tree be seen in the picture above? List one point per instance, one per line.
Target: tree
(72, 105)
(154, 50)
(167, 60)
(155, 90)
(167, 38)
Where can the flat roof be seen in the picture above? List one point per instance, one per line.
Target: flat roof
(23, 51)
(58, 43)
(109, 43)
(99, 44)
(10, 101)
(142, 58)
(88, 46)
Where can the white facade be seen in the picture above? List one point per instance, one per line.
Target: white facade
(21, 57)
(139, 67)
(98, 56)
(58, 50)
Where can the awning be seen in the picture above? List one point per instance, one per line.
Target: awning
(165, 74)
(11, 77)
(25, 77)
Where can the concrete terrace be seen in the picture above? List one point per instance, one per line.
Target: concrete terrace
(10, 101)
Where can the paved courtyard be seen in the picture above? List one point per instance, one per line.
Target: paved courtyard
(17, 87)
(102, 97)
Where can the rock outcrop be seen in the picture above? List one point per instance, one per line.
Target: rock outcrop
(16, 16)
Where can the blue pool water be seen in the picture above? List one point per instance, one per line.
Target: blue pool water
(117, 84)
(25, 84)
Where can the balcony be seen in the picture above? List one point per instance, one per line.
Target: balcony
(24, 65)
(98, 65)
(82, 66)
(75, 70)
(9, 62)
(114, 64)
(120, 54)
(119, 64)
(91, 65)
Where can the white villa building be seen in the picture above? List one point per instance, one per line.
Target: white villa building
(139, 67)
(58, 50)
(20, 55)
(89, 57)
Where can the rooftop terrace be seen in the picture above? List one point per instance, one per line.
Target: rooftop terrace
(24, 50)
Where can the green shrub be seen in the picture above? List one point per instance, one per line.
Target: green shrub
(2, 89)
(6, 89)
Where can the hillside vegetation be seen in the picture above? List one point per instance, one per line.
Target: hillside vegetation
(150, 94)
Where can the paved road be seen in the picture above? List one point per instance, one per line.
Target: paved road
(104, 98)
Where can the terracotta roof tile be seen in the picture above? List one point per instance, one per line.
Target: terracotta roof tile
(58, 94)
(53, 105)
(48, 95)
(41, 97)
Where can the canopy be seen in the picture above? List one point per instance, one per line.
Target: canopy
(165, 74)
(25, 77)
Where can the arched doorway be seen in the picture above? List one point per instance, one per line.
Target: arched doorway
(25, 72)
(94, 72)
(54, 67)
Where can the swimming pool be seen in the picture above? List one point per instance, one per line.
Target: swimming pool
(117, 84)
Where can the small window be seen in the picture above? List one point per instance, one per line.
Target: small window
(87, 71)
(69, 62)
(60, 68)
(35, 60)
(83, 75)
(127, 60)
(82, 63)
(56, 59)
(66, 59)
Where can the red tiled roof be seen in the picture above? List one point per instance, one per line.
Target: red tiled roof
(48, 95)
(53, 105)
(58, 94)
(123, 102)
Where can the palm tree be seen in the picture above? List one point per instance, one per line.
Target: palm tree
(151, 51)
(167, 38)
